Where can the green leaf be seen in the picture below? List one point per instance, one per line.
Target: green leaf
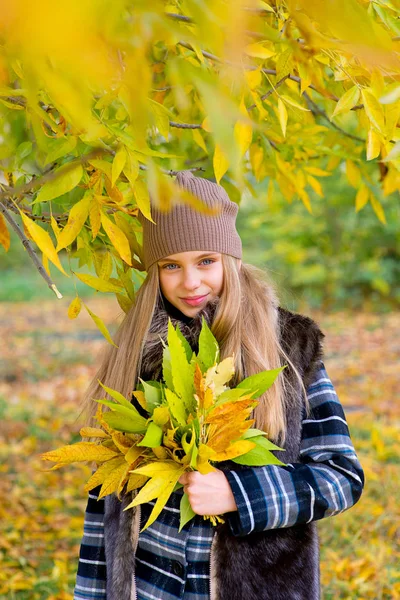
(260, 382)
(131, 413)
(176, 407)
(187, 512)
(60, 148)
(230, 396)
(123, 423)
(261, 439)
(185, 344)
(259, 456)
(347, 101)
(182, 371)
(167, 368)
(208, 353)
(116, 395)
(153, 437)
(66, 178)
(152, 393)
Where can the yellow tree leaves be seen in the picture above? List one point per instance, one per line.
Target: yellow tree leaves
(65, 179)
(43, 241)
(76, 219)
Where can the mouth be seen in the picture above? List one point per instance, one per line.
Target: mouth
(194, 300)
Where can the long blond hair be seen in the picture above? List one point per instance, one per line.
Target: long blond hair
(245, 325)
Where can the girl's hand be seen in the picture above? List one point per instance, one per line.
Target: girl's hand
(208, 494)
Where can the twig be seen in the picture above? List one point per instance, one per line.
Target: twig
(30, 250)
(185, 125)
(317, 111)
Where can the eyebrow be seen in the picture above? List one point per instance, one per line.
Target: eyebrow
(167, 260)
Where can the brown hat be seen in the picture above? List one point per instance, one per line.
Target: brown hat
(184, 228)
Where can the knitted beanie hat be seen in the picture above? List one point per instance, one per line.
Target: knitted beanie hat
(184, 228)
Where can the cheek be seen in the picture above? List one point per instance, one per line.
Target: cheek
(218, 279)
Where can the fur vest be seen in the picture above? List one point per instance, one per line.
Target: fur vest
(278, 564)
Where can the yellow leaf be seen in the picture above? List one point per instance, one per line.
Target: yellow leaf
(93, 432)
(43, 241)
(316, 186)
(112, 482)
(159, 487)
(258, 50)
(118, 164)
(235, 449)
(305, 198)
(135, 481)
(74, 308)
(198, 138)
(373, 145)
(256, 160)
(161, 117)
(205, 454)
(374, 110)
(347, 101)
(206, 125)
(45, 262)
(140, 397)
(378, 209)
(362, 197)
(161, 415)
(142, 198)
(133, 454)
(292, 102)
(117, 238)
(103, 166)
(158, 468)
(4, 234)
(317, 171)
(95, 217)
(219, 374)
(76, 219)
(98, 284)
(283, 116)
(353, 174)
(101, 326)
(254, 78)
(243, 133)
(102, 473)
(79, 452)
(220, 163)
(55, 227)
(306, 78)
(66, 178)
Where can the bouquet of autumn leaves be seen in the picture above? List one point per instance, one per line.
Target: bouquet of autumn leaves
(193, 421)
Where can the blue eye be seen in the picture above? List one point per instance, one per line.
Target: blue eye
(211, 261)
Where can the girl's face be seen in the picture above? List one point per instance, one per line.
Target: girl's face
(189, 280)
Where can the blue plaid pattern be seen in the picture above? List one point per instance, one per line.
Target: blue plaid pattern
(171, 565)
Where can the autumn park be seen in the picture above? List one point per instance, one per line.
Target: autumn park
(293, 107)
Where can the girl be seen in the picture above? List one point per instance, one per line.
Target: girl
(267, 549)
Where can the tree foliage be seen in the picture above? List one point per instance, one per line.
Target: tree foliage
(101, 103)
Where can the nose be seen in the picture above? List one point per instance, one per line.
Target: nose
(191, 280)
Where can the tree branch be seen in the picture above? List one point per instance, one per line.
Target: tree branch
(28, 247)
(317, 111)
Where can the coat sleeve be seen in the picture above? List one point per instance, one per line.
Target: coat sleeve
(326, 481)
(91, 575)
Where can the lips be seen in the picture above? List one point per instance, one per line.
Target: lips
(194, 300)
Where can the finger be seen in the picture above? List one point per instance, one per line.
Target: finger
(183, 479)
